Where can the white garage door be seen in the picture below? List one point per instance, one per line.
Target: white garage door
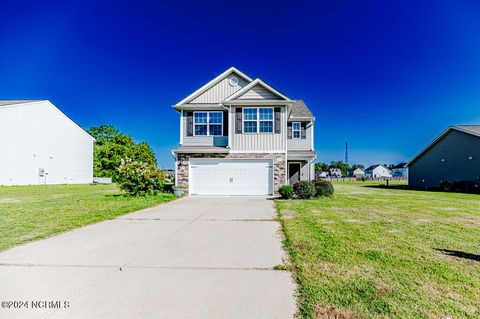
(215, 176)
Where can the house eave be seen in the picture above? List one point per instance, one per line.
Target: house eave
(206, 106)
(258, 102)
(201, 150)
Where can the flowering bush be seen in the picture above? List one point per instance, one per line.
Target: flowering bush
(137, 178)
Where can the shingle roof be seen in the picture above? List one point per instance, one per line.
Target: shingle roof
(299, 109)
(370, 168)
(13, 102)
(474, 129)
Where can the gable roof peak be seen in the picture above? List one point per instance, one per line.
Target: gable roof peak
(212, 82)
(251, 85)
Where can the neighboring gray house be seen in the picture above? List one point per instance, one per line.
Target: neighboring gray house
(400, 170)
(240, 136)
(378, 171)
(454, 156)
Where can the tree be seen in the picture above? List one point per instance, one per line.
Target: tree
(320, 167)
(111, 146)
(355, 166)
(103, 133)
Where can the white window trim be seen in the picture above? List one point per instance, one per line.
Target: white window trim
(258, 120)
(299, 131)
(208, 122)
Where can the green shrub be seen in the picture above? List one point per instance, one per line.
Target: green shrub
(137, 178)
(286, 191)
(168, 187)
(304, 190)
(323, 188)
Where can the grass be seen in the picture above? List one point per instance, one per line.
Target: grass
(373, 252)
(33, 212)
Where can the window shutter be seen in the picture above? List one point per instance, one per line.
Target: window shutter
(225, 123)
(238, 120)
(289, 130)
(304, 131)
(189, 123)
(278, 129)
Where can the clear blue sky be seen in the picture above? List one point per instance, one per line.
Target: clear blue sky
(387, 76)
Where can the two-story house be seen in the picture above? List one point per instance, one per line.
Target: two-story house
(240, 136)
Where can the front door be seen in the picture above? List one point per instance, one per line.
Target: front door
(293, 173)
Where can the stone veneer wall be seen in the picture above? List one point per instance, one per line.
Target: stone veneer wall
(279, 166)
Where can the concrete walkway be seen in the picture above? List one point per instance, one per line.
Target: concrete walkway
(197, 257)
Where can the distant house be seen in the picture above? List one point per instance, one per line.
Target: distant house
(41, 145)
(454, 156)
(334, 172)
(358, 173)
(321, 174)
(378, 171)
(169, 173)
(400, 170)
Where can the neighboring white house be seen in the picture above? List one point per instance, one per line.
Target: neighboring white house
(401, 170)
(334, 172)
(41, 145)
(358, 173)
(241, 136)
(321, 175)
(378, 171)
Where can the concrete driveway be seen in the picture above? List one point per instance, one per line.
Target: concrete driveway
(197, 257)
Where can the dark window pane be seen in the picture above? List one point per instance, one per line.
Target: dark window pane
(200, 117)
(266, 126)
(249, 114)
(201, 129)
(250, 127)
(266, 114)
(215, 129)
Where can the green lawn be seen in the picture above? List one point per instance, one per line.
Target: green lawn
(33, 212)
(385, 253)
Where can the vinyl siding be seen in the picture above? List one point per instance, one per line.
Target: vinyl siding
(301, 144)
(259, 142)
(455, 147)
(201, 140)
(258, 93)
(220, 91)
(37, 135)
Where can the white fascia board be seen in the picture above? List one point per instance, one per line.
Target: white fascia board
(294, 119)
(212, 83)
(199, 107)
(257, 151)
(251, 85)
(259, 102)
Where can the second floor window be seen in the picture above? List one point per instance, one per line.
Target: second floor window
(208, 123)
(258, 120)
(296, 130)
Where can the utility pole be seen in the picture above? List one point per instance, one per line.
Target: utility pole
(346, 153)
